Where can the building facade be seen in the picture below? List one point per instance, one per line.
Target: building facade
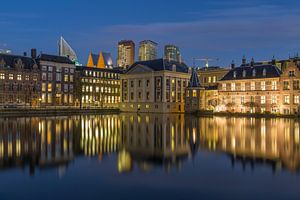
(19, 81)
(147, 50)
(57, 80)
(211, 75)
(172, 52)
(96, 87)
(126, 53)
(261, 89)
(154, 86)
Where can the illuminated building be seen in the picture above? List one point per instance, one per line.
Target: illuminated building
(154, 86)
(126, 53)
(172, 52)
(57, 80)
(261, 89)
(19, 81)
(147, 50)
(209, 76)
(66, 50)
(103, 60)
(97, 87)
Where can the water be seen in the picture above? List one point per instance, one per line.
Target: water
(149, 157)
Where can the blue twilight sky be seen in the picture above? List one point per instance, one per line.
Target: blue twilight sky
(224, 29)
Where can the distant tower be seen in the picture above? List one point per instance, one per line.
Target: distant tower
(64, 49)
(147, 50)
(172, 52)
(126, 53)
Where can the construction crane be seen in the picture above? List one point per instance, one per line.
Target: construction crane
(206, 60)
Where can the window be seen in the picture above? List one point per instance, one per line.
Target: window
(214, 79)
(66, 78)
(264, 72)
(263, 99)
(49, 98)
(58, 69)
(148, 95)
(232, 86)
(234, 74)
(58, 87)
(11, 77)
(291, 73)
(242, 100)
(49, 87)
(44, 68)
(287, 99)
(49, 76)
(2, 76)
(58, 77)
(140, 83)
(252, 85)
(71, 78)
(274, 85)
(44, 76)
(50, 69)
(66, 88)
(44, 87)
(148, 83)
(132, 84)
(224, 86)
(66, 70)
(19, 77)
(244, 73)
(296, 99)
(194, 93)
(296, 84)
(286, 85)
(209, 79)
(263, 85)
(274, 99)
(243, 86)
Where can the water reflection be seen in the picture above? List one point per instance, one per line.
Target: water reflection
(147, 142)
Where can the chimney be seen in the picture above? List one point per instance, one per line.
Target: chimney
(25, 54)
(33, 53)
(232, 65)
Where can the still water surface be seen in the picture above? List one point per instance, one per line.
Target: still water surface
(149, 157)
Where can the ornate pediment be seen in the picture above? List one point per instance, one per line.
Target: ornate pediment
(139, 69)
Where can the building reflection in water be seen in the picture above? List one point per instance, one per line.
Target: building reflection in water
(146, 142)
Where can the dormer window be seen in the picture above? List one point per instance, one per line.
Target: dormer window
(291, 73)
(244, 73)
(234, 74)
(264, 72)
(254, 73)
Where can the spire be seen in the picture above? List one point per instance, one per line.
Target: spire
(244, 60)
(194, 81)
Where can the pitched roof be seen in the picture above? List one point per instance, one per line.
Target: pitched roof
(162, 64)
(54, 58)
(194, 81)
(10, 61)
(252, 72)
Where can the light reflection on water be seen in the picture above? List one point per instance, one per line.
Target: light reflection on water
(150, 144)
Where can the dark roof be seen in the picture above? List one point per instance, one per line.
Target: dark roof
(194, 81)
(246, 72)
(10, 61)
(162, 64)
(54, 58)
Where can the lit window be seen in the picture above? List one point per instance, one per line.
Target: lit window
(252, 85)
(194, 93)
(296, 100)
(274, 85)
(2, 76)
(11, 77)
(263, 99)
(214, 79)
(243, 86)
(263, 85)
(19, 77)
(49, 87)
(287, 99)
(286, 85)
(224, 86)
(232, 86)
(242, 100)
(66, 78)
(274, 99)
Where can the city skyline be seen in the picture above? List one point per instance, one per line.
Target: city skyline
(199, 28)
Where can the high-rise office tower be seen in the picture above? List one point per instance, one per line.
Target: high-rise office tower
(172, 52)
(126, 53)
(64, 49)
(147, 50)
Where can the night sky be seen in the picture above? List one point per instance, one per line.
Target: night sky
(224, 29)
